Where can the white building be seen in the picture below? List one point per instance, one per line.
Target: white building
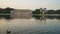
(43, 10)
(21, 13)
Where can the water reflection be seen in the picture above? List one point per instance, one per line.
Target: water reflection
(41, 18)
(5, 16)
(33, 25)
(31, 16)
(45, 17)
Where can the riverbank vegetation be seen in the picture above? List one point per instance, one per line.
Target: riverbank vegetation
(5, 10)
(37, 11)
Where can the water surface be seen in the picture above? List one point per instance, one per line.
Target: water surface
(33, 25)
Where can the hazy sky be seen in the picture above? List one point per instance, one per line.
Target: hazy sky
(30, 4)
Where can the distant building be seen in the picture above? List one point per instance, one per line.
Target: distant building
(21, 13)
(43, 10)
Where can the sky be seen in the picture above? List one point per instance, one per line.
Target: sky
(30, 4)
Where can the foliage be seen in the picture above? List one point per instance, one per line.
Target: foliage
(6, 10)
(37, 11)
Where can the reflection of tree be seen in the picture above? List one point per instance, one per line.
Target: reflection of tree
(50, 17)
(58, 17)
(41, 18)
(37, 17)
(53, 17)
(45, 17)
(5, 16)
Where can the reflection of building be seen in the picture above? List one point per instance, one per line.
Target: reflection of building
(27, 16)
(41, 18)
(21, 13)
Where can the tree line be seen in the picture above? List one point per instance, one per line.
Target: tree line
(37, 11)
(6, 10)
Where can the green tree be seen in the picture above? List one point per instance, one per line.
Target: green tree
(37, 11)
(6, 10)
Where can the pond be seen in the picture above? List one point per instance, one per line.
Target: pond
(31, 25)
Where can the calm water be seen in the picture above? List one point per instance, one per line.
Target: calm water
(33, 25)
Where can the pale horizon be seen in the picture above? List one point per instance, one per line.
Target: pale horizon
(30, 4)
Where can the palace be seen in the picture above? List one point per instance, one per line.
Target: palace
(21, 13)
